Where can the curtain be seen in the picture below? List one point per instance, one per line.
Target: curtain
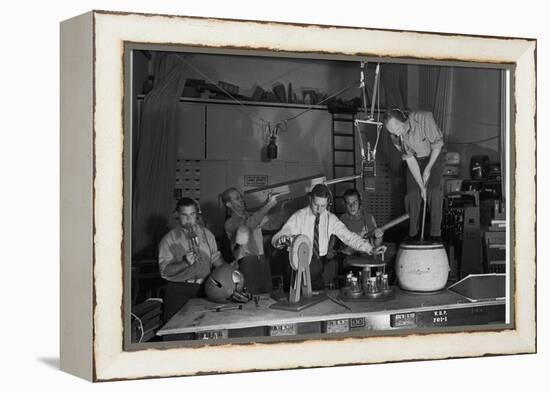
(436, 95)
(392, 82)
(428, 77)
(444, 100)
(155, 155)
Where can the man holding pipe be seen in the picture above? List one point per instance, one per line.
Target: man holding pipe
(244, 230)
(316, 222)
(420, 141)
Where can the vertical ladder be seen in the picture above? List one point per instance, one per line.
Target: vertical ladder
(343, 156)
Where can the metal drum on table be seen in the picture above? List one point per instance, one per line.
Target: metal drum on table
(422, 266)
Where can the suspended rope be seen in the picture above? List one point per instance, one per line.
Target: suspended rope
(273, 128)
(251, 115)
(378, 122)
(319, 103)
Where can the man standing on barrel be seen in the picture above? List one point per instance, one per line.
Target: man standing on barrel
(420, 141)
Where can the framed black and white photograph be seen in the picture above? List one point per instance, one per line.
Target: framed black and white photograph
(303, 196)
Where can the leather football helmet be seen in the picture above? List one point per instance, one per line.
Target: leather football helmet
(226, 284)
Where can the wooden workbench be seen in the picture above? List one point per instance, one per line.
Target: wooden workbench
(405, 310)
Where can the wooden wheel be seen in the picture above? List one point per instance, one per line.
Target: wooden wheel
(300, 252)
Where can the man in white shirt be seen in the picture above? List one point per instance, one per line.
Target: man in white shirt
(316, 222)
(249, 253)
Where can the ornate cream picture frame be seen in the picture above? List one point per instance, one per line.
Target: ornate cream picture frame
(93, 238)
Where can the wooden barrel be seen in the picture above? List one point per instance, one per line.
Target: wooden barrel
(422, 267)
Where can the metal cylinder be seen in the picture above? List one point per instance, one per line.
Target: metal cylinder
(372, 286)
(385, 283)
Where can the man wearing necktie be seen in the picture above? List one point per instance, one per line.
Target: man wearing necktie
(316, 222)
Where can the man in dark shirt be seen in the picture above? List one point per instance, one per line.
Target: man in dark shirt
(357, 219)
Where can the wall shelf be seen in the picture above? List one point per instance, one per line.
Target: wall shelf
(247, 103)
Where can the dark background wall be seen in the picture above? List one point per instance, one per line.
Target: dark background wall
(473, 113)
(227, 144)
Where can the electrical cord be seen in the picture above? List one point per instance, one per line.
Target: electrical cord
(251, 115)
(140, 325)
(283, 125)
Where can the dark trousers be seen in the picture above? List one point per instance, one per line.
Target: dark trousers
(177, 294)
(434, 196)
(257, 274)
(316, 269)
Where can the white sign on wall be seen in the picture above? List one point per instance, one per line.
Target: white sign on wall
(255, 180)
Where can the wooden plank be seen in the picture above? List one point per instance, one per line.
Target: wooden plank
(195, 317)
(292, 194)
(247, 103)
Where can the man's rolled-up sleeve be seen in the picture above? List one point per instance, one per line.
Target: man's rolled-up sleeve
(408, 153)
(289, 229)
(432, 131)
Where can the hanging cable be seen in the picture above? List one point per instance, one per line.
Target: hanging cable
(377, 84)
(363, 87)
(319, 103)
(371, 154)
(378, 123)
(251, 115)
